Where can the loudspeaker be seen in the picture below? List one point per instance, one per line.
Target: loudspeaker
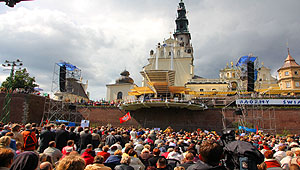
(250, 76)
(62, 78)
(72, 107)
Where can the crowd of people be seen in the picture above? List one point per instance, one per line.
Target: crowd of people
(28, 147)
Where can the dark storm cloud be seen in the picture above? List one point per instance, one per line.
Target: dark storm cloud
(103, 38)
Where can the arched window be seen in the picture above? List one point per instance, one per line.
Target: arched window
(119, 96)
(178, 53)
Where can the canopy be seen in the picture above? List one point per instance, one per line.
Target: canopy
(68, 66)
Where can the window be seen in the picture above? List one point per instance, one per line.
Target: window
(233, 74)
(170, 53)
(178, 53)
(119, 96)
(162, 53)
(297, 84)
(288, 84)
(286, 73)
(228, 75)
(201, 89)
(213, 89)
(296, 72)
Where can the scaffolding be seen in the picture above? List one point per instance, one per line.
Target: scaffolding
(256, 115)
(60, 109)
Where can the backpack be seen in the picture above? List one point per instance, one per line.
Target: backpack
(29, 140)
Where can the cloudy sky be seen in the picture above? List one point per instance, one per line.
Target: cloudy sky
(103, 37)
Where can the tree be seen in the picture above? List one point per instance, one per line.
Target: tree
(22, 80)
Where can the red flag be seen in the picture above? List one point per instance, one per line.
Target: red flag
(125, 118)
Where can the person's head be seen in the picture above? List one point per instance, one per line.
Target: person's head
(6, 157)
(118, 152)
(19, 145)
(28, 126)
(62, 126)
(105, 148)
(98, 159)
(161, 163)
(145, 150)
(289, 153)
(71, 162)
(25, 161)
(131, 152)
(156, 152)
(294, 167)
(46, 166)
(91, 167)
(52, 144)
(125, 160)
(189, 156)
(268, 154)
(127, 149)
(16, 127)
(89, 146)
(70, 143)
(211, 152)
(4, 141)
(281, 148)
(179, 168)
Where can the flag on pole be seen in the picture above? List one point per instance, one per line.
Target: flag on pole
(125, 118)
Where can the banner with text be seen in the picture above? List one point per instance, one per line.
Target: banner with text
(268, 101)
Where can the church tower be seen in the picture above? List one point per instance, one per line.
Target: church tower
(171, 63)
(182, 33)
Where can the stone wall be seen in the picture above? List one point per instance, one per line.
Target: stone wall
(278, 119)
(24, 107)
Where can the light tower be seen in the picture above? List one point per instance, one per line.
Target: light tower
(5, 116)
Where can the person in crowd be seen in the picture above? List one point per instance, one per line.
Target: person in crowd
(85, 138)
(5, 142)
(19, 146)
(161, 164)
(211, 153)
(145, 156)
(270, 161)
(125, 161)
(29, 138)
(95, 138)
(28, 160)
(280, 154)
(188, 160)
(45, 158)
(175, 154)
(114, 160)
(152, 161)
(98, 162)
(285, 162)
(111, 139)
(104, 152)
(12, 141)
(46, 136)
(6, 158)
(89, 146)
(133, 135)
(113, 149)
(74, 136)
(46, 166)
(69, 148)
(167, 153)
(71, 162)
(6, 129)
(135, 162)
(88, 154)
(53, 151)
(62, 137)
(17, 135)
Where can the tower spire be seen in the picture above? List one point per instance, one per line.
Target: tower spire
(182, 31)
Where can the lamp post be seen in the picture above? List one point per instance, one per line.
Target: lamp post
(5, 116)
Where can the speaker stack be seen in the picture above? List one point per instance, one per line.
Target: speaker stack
(250, 76)
(62, 78)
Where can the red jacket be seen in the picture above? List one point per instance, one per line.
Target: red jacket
(104, 154)
(272, 163)
(87, 156)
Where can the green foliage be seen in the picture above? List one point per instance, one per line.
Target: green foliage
(21, 80)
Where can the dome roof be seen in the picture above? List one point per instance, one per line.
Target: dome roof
(124, 78)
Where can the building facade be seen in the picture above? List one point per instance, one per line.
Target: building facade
(289, 74)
